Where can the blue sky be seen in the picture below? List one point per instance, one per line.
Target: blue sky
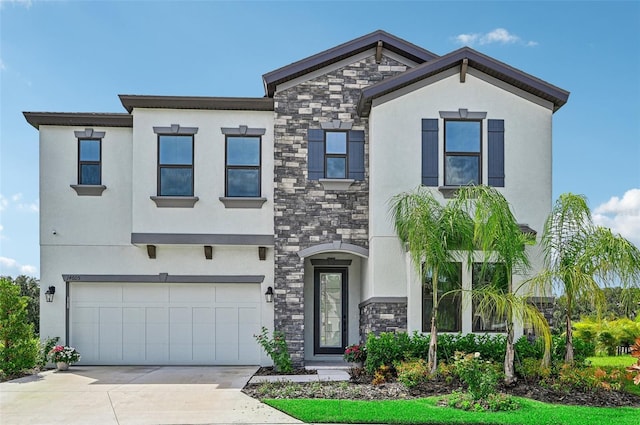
(77, 56)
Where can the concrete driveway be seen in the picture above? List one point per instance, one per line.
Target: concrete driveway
(135, 395)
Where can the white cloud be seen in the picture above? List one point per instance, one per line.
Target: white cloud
(11, 264)
(25, 3)
(621, 215)
(15, 202)
(498, 35)
(2, 65)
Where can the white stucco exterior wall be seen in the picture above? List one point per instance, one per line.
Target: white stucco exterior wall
(93, 233)
(395, 165)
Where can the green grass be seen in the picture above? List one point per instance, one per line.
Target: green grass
(426, 411)
(612, 361)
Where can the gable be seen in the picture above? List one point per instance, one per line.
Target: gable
(375, 41)
(460, 61)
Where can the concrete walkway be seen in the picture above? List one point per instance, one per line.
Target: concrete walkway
(126, 395)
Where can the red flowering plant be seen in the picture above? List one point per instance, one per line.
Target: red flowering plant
(635, 352)
(64, 354)
(355, 353)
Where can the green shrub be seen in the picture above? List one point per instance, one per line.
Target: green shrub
(277, 349)
(18, 346)
(530, 369)
(413, 372)
(45, 348)
(480, 376)
(386, 350)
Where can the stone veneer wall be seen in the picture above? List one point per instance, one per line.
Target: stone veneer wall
(306, 214)
(378, 316)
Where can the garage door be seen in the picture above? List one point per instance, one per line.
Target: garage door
(165, 324)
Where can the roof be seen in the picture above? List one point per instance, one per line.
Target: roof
(476, 60)
(196, 102)
(37, 119)
(390, 42)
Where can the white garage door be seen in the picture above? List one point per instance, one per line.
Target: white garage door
(165, 324)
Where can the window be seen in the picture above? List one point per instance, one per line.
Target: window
(175, 165)
(336, 154)
(89, 162)
(492, 275)
(449, 312)
(243, 166)
(463, 152)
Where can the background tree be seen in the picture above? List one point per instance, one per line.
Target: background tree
(581, 258)
(497, 235)
(18, 345)
(30, 288)
(431, 232)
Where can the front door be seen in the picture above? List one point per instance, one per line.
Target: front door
(330, 310)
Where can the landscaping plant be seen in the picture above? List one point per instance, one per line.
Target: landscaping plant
(581, 257)
(277, 349)
(414, 372)
(497, 234)
(355, 353)
(635, 352)
(65, 354)
(432, 232)
(18, 346)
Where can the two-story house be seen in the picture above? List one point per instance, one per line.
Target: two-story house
(173, 232)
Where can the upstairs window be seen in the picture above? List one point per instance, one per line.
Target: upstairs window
(463, 153)
(494, 276)
(243, 166)
(89, 162)
(463, 145)
(336, 154)
(175, 165)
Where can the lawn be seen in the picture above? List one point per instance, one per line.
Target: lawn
(612, 361)
(426, 411)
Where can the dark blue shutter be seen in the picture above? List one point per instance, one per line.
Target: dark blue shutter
(430, 152)
(356, 154)
(315, 137)
(496, 152)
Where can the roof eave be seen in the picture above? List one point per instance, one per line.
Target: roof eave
(196, 102)
(476, 60)
(74, 119)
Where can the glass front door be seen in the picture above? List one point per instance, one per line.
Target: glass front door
(330, 311)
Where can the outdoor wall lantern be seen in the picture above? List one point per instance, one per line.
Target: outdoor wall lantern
(262, 253)
(49, 294)
(269, 294)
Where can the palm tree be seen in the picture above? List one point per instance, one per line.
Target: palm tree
(581, 257)
(499, 238)
(431, 232)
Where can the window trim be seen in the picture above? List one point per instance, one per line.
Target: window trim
(228, 167)
(446, 154)
(176, 166)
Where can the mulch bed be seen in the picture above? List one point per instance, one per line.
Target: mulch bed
(364, 390)
(269, 371)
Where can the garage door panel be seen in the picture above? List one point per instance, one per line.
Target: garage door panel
(200, 294)
(157, 353)
(129, 323)
(237, 294)
(145, 294)
(204, 353)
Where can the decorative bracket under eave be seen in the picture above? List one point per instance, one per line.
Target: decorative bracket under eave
(463, 70)
(379, 52)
